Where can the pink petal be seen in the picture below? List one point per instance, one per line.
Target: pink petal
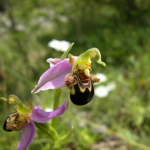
(53, 61)
(41, 116)
(38, 107)
(27, 136)
(53, 78)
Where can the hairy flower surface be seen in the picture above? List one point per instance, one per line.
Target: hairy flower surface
(25, 117)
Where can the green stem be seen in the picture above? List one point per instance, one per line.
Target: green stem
(52, 145)
(57, 93)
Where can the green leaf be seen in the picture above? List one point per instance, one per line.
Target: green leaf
(57, 93)
(64, 139)
(64, 55)
(49, 130)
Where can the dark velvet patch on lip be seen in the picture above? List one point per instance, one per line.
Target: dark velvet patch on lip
(82, 98)
(85, 96)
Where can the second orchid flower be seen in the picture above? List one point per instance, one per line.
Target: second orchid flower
(25, 117)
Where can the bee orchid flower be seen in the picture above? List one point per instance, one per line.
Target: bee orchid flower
(74, 72)
(25, 117)
(80, 82)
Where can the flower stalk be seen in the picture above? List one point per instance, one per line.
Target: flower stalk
(57, 93)
(52, 144)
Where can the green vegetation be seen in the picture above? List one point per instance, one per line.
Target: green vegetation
(120, 29)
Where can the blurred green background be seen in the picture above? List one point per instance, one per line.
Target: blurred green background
(120, 29)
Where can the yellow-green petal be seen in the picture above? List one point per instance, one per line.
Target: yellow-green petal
(84, 60)
(21, 108)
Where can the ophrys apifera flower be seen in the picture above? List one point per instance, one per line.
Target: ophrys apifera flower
(25, 117)
(80, 82)
(74, 72)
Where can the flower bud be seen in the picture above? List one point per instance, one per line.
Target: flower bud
(12, 99)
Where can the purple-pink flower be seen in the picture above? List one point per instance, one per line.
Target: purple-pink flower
(18, 121)
(78, 67)
(54, 77)
(73, 72)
